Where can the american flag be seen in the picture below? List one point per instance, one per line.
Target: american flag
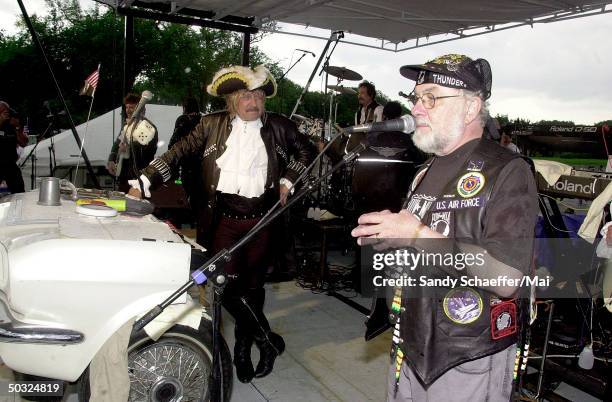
(91, 82)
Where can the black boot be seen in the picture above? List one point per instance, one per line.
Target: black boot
(270, 344)
(244, 338)
(270, 348)
(242, 356)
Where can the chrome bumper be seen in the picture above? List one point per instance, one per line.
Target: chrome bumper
(41, 335)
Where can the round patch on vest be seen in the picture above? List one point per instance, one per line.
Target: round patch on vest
(462, 305)
(470, 184)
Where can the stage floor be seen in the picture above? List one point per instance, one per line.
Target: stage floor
(326, 358)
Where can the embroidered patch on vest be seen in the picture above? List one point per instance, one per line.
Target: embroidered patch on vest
(503, 319)
(462, 305)
(475, 166)
(440, 222)
(459, 203)
(470, 184)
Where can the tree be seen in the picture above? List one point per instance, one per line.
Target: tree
(561, 123)
(171, 60)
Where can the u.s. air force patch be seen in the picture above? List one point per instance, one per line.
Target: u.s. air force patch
(470, 184)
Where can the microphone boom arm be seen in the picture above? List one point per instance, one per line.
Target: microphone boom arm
(335, 36)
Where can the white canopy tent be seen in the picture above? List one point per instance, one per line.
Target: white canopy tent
(99, 140)
(399, 25)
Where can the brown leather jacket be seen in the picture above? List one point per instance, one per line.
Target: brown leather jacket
(207, 141)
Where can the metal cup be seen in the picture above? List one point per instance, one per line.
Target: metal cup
(49, 191)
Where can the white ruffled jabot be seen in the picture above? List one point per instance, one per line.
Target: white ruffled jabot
(244, 164)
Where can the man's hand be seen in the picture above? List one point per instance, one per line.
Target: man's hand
(123, 147)
(111, 167)
(385, 224)
(135, 193)
(284, 193)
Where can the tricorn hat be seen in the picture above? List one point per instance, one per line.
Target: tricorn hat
(234, 78)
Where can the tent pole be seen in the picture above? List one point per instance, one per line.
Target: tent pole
(37, 43)
(128, 53)
(246, 48)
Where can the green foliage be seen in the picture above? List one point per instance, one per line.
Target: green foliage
(171, 60)
(561, 123)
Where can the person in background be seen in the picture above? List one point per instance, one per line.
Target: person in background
(22, 136)
(506, 141)
(135, 146)
(9, 140)
(369, 110)
(190, 167)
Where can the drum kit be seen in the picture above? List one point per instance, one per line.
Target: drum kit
(343, 193)
(315, 128)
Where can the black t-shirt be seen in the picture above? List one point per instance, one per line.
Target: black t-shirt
(510, 213)
(8, 144)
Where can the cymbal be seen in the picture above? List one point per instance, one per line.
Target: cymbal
(342, 90)
(343, 73)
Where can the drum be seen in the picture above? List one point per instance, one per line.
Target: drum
(383, 172)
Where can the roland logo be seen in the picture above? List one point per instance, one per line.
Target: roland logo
(566, 185)
(576, 129)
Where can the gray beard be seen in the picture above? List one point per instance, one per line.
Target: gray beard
(435, 142)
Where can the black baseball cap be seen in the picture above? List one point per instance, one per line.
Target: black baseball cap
(454, 71)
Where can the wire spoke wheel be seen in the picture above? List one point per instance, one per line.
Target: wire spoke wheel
(167, 371)
(175, 368)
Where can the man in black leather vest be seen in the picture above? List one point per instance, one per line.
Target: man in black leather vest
(245, 167)
(369, 110)
(456, 341)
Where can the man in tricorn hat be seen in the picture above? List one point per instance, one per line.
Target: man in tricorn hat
(473, 197)
(246, 167)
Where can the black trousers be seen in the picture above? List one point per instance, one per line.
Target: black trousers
(249, 263)
(12, 175)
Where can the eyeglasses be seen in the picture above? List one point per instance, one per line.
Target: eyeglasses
(257, 95)
(428, 99)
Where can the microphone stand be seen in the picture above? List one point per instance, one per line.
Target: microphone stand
(32, 154)
(290, 68)
(284, 75)
(212, 270)
(335, 36)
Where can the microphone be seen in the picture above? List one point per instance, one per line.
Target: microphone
(145, 97)
(403, 95)
(405, 124)
(307, 51)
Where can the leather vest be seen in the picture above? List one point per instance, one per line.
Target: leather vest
(369, 113)
(434, 337)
